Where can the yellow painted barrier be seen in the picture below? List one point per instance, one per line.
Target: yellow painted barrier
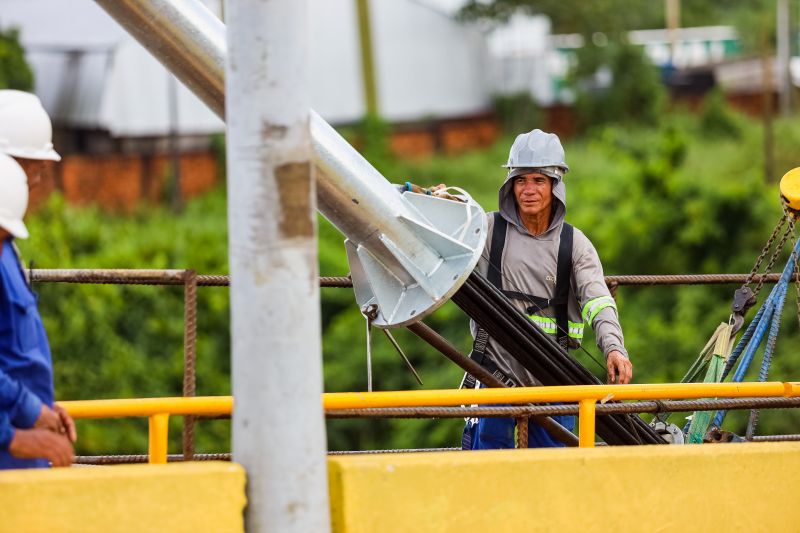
(159, 409)
(570, 393)
(730, 487)
(199, 405)
(190, 497)
(159, 438)
(586, 420)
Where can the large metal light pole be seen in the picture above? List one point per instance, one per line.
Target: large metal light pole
(278, 422)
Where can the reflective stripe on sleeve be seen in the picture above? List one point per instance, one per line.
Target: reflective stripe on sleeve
(548, 325)
(594, 306)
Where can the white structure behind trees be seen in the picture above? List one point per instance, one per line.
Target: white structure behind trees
(91, 74)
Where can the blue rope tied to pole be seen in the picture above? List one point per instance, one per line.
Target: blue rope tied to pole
(768, 317)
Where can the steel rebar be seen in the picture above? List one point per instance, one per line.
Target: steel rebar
(173, 277)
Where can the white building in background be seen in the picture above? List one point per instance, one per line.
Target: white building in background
(90, 74)
(523, 58)
(695, 47)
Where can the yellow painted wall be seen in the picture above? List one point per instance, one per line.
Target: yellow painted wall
(730, 487)
(192, 497)
(726, 487)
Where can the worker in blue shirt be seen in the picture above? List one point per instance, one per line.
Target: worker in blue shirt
(34, 443)
(26, 376)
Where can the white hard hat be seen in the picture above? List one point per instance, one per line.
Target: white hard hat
(537, 150)
(13, 197)
(25, 127)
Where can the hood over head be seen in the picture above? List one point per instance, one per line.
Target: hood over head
(508, 204)
(535, 151)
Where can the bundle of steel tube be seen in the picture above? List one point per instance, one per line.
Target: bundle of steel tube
(541, 356)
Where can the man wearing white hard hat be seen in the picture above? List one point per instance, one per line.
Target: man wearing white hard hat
(26, 133)
(26, 375)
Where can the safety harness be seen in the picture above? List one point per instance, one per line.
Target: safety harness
(560, 326)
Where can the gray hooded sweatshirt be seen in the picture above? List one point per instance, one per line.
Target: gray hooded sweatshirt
(529, 266)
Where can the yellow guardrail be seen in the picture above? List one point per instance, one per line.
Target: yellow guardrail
(159, 409)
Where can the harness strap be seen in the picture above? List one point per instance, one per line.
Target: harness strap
(563, 276)
(559, 302)
(469, 381)
(496, 251)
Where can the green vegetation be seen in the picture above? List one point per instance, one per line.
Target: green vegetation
(634, 93)
(657, 200)
(516, 112)
(14, 70)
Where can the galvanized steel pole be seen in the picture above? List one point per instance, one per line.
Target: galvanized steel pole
(278, 421)
(185, 36)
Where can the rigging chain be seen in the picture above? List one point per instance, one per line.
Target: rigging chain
(764, 252)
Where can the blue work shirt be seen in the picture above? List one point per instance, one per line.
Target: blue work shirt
(6, 431)
(26, 369)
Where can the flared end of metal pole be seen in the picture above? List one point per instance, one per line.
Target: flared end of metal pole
(403, 291)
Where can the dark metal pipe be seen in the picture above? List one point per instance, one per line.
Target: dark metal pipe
(424, 332)
(529, 345)
(540, 355)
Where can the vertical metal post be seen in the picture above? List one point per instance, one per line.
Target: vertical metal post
(673, 10)
(522, 432)
(367, 57)
(586, 423)
(767, 88)
(189, 356)
(783, 36)
(278, 424)
(174, 144)
(159, 439)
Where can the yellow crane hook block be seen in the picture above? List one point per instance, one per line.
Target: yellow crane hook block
(790, 190)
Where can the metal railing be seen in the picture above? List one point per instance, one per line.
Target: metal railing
(158, 410)
(191, 280)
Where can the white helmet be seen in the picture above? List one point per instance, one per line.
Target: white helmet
(25, 127)
(537, 150)
(13, 197)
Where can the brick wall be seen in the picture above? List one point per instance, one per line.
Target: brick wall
(119, 182)
(450, 137)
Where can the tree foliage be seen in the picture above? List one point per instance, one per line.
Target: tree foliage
(14, 70)
(616, 83)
